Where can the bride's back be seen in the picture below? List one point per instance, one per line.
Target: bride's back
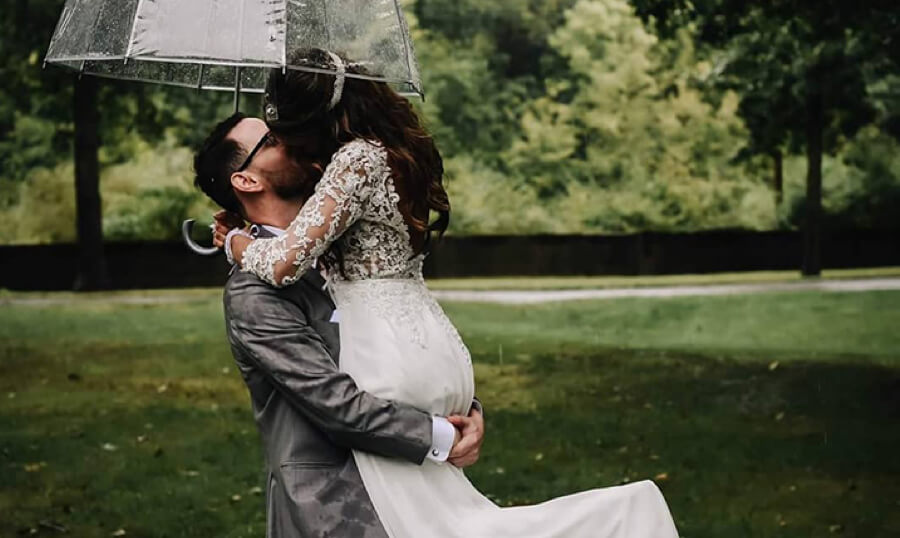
(378, 244)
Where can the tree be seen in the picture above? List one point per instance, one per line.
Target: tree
(626, 121)
(803, 69)
(49, 115)
(92, 272)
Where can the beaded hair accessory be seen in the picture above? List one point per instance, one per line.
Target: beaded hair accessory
(340, 76)
(271, 109)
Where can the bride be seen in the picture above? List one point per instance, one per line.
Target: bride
(368, 220)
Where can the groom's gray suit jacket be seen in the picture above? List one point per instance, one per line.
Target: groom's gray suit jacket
(309, 413)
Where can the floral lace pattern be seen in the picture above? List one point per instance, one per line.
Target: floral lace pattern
(400, 300)
(354, 204)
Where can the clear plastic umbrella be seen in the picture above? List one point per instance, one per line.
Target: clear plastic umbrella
(230, 45)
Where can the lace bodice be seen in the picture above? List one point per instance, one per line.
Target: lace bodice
(355, 205)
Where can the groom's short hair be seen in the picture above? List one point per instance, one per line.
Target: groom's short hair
(215, 161)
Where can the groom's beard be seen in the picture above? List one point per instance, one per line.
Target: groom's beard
(294, 180)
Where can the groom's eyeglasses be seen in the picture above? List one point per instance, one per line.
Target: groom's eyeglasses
(264, 141)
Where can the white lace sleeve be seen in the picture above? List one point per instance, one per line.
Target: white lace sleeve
(337, 203)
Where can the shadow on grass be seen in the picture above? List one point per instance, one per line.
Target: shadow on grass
(739, 448)
(155, 470)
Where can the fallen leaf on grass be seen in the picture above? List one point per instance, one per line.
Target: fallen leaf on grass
(773, 365)
(34, 467)
(256, 490)
(834, 529)
(109, 447)
(162, 388)
(661, 477)
(235, 498)
(119, 532)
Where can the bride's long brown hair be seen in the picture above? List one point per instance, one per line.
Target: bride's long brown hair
(297, 113)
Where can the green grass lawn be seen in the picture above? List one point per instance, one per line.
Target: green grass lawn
(760, 415)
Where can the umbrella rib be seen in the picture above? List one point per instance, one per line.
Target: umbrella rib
(327, 26)
(241, 31)
(134, 23)
(284, 37)
(237, 70)
(404, 35)
(209, 18)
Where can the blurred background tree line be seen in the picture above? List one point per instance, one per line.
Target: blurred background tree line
(553, 116)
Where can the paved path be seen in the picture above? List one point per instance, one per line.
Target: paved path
(519, 297)
(546, 296)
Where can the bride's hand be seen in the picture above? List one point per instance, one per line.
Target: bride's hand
(225, 221)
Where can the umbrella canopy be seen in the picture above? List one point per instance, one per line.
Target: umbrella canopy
(230, 44)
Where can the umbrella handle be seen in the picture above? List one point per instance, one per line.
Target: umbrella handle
(186, 228)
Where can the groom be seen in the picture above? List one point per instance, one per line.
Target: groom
(285, 342)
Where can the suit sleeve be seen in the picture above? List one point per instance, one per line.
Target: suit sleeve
(274, 334)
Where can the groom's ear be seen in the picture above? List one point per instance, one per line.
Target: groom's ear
(244, 182)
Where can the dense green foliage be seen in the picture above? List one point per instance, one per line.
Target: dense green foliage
(565, 116)
(764, 415)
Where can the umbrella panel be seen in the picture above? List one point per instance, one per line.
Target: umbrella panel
(202, 44)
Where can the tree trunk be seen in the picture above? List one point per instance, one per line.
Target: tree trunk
(92, 273)
(20, 17)
(812, 233)
(778, 175)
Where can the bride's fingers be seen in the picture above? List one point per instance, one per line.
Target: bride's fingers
(219, 239)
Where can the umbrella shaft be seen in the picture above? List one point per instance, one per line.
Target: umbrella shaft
(237, 89)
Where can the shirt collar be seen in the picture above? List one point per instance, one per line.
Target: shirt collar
(278, 232)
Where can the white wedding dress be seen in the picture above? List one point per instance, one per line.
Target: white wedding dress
(397, 343)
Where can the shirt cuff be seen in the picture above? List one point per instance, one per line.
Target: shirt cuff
(442, 436)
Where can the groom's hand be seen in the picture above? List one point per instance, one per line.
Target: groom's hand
(467, 448)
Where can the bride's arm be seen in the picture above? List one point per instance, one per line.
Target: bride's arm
(336, 204)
